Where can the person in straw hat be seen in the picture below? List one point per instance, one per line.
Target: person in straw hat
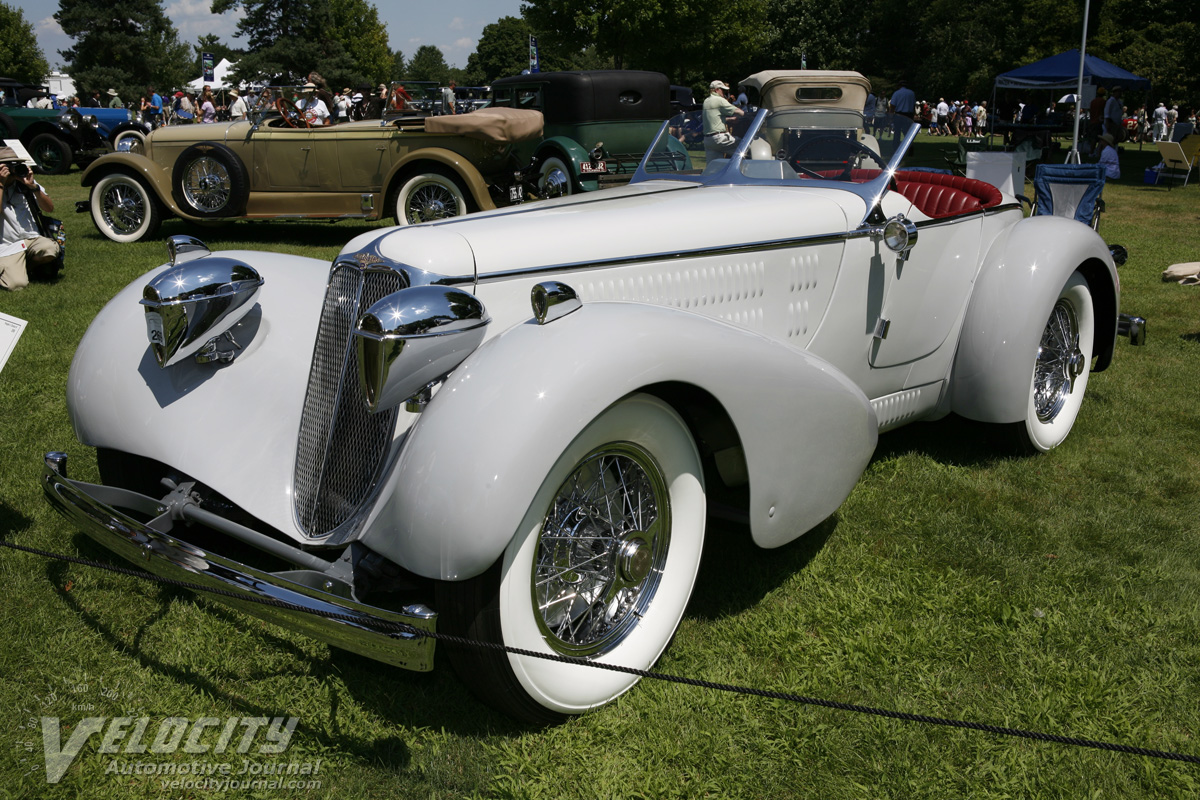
(114, 99)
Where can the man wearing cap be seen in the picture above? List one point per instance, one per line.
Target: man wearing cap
(115, 102)
(237, 109)
(21, 242)
(718, 141)
(448, 99)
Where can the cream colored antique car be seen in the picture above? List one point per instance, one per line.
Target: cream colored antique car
(278, 166)
(510, 426)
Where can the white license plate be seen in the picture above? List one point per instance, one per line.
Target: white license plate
(588, 167)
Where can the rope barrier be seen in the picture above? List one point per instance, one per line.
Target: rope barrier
(458, 641)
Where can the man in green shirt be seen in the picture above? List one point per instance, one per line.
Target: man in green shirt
(718, 141)
(115, 102)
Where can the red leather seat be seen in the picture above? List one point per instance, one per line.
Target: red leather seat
(939, 195)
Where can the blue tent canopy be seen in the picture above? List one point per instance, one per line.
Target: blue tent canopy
(1062, 72)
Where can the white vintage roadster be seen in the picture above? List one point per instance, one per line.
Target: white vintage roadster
(507, 426)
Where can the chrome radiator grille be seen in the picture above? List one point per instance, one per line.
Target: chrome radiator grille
(341, 447)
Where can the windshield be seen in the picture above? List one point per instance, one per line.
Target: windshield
(809, 143)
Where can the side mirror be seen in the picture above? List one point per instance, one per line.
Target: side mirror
(413, 338)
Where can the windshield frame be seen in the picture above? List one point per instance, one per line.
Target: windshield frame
(729, 170)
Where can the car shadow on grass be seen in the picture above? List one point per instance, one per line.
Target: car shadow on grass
(735, 574)
(397, 696)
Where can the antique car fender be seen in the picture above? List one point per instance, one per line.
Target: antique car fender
(137, 165)
(212, 421)
(476, 457)
(419, 160)
(571, 152)
(1018, 285)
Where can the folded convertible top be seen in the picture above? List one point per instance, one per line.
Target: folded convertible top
(490, 124)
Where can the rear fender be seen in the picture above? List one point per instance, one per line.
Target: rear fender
(477, 455)
(573, 154)
(420, 160)
(1023, 273)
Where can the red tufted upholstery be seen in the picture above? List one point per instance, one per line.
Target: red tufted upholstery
(939, 195)
(936, 194)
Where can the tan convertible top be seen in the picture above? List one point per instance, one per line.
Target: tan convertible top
(801, 88)
(490, 124)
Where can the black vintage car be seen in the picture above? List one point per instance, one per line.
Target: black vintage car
(56, 137)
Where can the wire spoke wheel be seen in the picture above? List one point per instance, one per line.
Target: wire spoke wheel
(1060, 369)
(601, 551)
(1059, 362)
(123, 208)
(432, 201)
(206, 184)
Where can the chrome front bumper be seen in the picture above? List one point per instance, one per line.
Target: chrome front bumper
(93, 509)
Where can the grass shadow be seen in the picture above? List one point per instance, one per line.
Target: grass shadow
(410, 699)
(953, 441)
(1191, 337)
(736, 574)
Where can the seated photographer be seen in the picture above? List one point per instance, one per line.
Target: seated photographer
(23, 247)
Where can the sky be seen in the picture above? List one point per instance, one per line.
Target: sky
(453, 26)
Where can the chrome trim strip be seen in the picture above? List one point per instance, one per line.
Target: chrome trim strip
(166, 556)
(751, 247)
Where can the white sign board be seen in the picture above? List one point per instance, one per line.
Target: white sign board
(10, 331)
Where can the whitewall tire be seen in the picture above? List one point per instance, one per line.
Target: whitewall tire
(1061, 368)
(554, 170)
(427, 197)
(123, 209)
(601, 568)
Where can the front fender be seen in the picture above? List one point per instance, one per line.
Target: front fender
(415, 162)
(483, 446)
(154, 177)
(1018, 285)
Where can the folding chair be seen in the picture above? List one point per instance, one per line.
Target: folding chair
(1069, 190)
(1073, 191)
(1176, 159)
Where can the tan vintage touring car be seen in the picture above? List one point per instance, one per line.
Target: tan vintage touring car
(277, 165)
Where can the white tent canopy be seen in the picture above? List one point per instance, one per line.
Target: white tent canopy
(220, 77)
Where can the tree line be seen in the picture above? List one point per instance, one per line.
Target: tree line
(945, 48)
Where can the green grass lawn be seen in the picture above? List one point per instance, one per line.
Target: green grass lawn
(1058, 593)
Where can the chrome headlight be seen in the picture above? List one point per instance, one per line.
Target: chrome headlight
(91, 119)
(71, 118)
(413, 338)
(191, 303)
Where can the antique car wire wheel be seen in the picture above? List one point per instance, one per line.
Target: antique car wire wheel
(601, 550)
(209, 181)
(123, 209)
(634, 616)
(206, 185)
(1061, 366)
(51, 153)
(427, 197)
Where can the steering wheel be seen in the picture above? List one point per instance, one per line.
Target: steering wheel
(856, 148)
(292, 117)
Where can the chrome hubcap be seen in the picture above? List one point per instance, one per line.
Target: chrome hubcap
(601, 551)
(206, 185)
(1060, 361)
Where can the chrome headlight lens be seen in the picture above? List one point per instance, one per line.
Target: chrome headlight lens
(413, 338)
(190, 303)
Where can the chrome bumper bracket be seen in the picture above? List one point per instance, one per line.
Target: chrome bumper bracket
(94, 510)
